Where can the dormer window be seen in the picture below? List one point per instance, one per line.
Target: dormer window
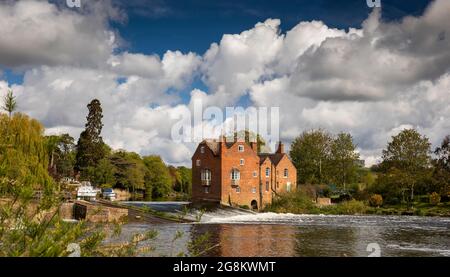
(202, 149)
(241, 148)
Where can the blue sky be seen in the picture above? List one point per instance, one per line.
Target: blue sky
(192, 25)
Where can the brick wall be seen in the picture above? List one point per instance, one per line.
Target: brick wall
(282, 181)
(211, 162)
(267, 180)
(251, 187)
(248, 183)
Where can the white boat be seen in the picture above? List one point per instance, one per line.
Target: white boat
(86, 192)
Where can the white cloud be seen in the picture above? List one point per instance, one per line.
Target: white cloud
(36, 33)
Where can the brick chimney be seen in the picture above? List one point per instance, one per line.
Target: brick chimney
(280, 149)
(254, 146)
(222, 141)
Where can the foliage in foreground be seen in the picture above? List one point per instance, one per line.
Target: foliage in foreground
(34, 228)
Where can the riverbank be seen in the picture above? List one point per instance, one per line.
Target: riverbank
(300, 204)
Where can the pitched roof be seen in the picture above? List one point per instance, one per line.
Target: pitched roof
(275, 158)
(213, 145)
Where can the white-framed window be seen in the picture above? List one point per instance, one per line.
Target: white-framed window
(206, 189)
(286, 173)
(197, 162)
(241, 162)
(206, 174)
(267, 186)
(241, 148)
(235, 174)
(267, 172)
(253, 189)
(202, 149)
(238, 189)
(255, 174)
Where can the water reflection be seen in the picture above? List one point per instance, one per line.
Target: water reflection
(329, 242)
(311, 236)
(250, 240)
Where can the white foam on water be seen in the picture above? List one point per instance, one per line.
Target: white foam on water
(247, 218)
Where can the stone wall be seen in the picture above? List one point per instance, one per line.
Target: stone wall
(83, 210)
(323, 201)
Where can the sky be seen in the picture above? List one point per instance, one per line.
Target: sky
(337, 65)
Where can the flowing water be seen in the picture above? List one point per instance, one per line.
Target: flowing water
(242, 234)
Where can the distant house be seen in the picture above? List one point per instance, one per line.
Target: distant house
(234, 174)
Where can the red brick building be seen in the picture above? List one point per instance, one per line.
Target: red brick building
(234, 174)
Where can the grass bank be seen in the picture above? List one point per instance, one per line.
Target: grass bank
(299, 203)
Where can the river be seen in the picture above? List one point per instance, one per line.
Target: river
(240, 234)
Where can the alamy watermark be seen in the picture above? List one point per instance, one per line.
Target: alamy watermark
(374, 3)
(374, 249)
(73, 3)
(235, 123)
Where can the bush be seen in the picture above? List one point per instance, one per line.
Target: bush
(346, 207)
(297, 202)
(435, 198)
(376, 200)
(308, 190)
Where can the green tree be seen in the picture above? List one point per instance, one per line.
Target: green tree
(409, 153)
(60, 149)
(129, 170)
(9, 103)
(157, 178)
(175, 178)
(90, 147)
(186, 179)
(104, 173)
(23, 152)
(441, 164)
(343, 157)
(310, 153)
